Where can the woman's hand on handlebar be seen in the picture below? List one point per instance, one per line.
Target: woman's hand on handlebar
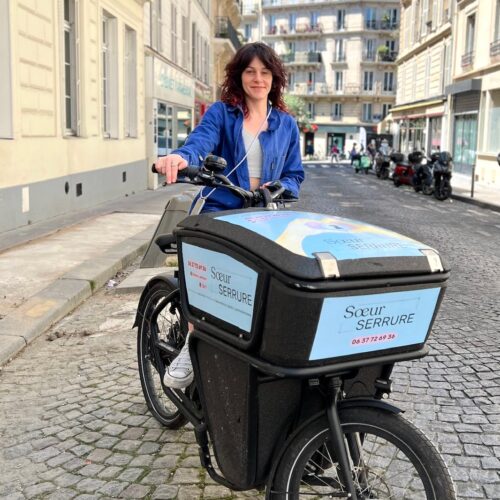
(169, 166)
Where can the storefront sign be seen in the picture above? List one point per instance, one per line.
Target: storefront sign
(172, 85)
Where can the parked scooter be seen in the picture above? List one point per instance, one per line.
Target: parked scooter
(383, 160)
(406, 167)
(362, 163)
(422, 179)
(442, 167)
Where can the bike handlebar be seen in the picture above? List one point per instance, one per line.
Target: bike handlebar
(210, 175)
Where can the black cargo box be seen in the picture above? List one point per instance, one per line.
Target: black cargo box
(302, 291)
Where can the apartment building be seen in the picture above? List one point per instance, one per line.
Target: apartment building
(71, 106)
(475, 91)
(187, 46)
(420, 117)
(340, 57)
(179, 84)
(227, 16)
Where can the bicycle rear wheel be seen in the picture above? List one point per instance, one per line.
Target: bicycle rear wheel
(161, 334)
(390, 459)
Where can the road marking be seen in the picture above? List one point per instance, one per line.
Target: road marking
(338, 195)
(484, 233)
(415, 208)
(475, 212)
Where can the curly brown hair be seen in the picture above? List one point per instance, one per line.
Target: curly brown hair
(232, 89)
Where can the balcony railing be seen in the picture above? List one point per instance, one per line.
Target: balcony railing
(250, 9)
(372, 24)
(339, 58)
(467, 59)
(286, 3)
(495, 48)
(224, 29)
(369, 56)
(301, 58)
(389, 56)
(298, 29)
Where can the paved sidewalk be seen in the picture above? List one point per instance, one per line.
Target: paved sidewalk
(48, 269)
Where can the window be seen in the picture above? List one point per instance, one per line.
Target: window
(367, 112)
(185, 43)
(470, 33)
(206, 63)
(368, 80)
(341, 19)
(314, 19)
(339, 80)
(70, 69)
(130, 83)
(337, 111)
(370, 18)
(291, 81)
(292, 22)
(494, 123)
(173, 34)
(310, 111)
(157, 25)
(5, 71)
(248, 32)
(385, 109)
(424, 17)
(339, 50)
(497, 22)
(388, 82)
(311, 82)
(370, 50)
(271, 30)
(109, 77)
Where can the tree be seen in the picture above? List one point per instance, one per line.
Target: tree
(297, 108)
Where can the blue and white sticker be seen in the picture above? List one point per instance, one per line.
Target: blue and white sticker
(220, 285)
(375, 322)
(305, 233)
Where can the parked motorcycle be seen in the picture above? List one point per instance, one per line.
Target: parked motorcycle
(442, 167)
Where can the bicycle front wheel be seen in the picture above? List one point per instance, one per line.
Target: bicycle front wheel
(161, 334)
(389, 457)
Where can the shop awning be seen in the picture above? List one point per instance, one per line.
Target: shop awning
(417, 105)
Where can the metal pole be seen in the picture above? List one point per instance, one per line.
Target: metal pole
(473, 179)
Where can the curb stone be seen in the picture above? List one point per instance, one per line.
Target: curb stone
(41, 311)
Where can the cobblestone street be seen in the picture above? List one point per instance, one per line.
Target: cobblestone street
(73, 422)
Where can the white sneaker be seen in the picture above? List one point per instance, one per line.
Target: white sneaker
(180, 372)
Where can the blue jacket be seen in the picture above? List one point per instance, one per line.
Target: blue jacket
(220, 133)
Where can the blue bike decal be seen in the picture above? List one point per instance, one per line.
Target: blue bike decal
(306, 233)
(220, 285)
(375, 322)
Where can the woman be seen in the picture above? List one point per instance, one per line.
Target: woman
(251, 129)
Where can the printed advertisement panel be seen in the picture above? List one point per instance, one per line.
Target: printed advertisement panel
(368, 323)
(220, 285)
(305, 233)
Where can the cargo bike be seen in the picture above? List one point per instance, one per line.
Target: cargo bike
(298, 321)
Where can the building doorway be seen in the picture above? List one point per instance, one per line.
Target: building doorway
(465, 143)
(334, 138)
(309, 145)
